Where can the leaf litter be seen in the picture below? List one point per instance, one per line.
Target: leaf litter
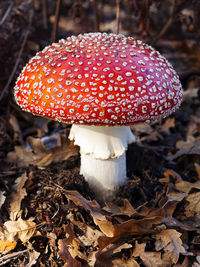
(49, 215)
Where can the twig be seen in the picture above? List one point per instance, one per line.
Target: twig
(96, 15)
(5, 259)
(44, 12)
(6, 13)
(169, 22)
(117, 15)
(55, 25)
(18, 57)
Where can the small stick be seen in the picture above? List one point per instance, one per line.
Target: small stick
(96, 15)
(55, 25)
(6, 13)
(18, 57)
(117, 15)
(44, 12)
(7, 258)
(169, 22)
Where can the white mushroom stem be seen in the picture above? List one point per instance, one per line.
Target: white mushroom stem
(103, 159)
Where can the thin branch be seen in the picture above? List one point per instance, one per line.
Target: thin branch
(18, 57)
(55, 25)
(96, 15)
(169, 22)
(44, 13)
(5, 259)
(117, 15)
(7, 13)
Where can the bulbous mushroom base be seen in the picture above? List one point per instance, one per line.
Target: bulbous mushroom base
(103, 158)
(103, 176)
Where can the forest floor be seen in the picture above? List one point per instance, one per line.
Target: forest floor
(48, 213)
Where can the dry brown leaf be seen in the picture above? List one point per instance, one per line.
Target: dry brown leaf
(73, 244)
(15, 125)
(106, 227)
(2, 198)
(169, 123)
(125, 209)
(123, 246)
(20, 229)
(6, 246)
(184, 186)
(33, 255)
(187, 148)
(171, 173)
(170, 241)
(144, 128)
(176, 196)
(66, 256)
(40, 156)
(193, 207)
(16, 197)
(130, 227)
(90, 236)
(191, 92)
(90, 206)
(122, 263)
(150, 259)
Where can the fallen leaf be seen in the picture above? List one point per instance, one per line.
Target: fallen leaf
(122, 263)
(184, 186)
(40, 156)
(172, 174)
(106, 227)
(187, 148)
(191, 92)
(146, 130)
(90, 206)
(125, 209)
(16, 197)
(170, 241)
(169, 123)
(17, 131)
(33, 255)
(176, 196)
(150, 259)
(193, 207)
(90, 236)
(20, 229)
(6, 246)
(66, 256)
(127, 228)
(141, 128)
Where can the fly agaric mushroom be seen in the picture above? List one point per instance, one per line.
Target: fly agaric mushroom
(97, 80)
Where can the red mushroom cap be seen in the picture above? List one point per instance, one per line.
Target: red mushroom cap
(99, 79)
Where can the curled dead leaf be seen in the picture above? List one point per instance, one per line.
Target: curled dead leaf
(170, 241)
(66, 256)
(150, 259)
(40, 156)
(6, 246)
(193, 207)
(19, 192)
(17, 230)
(127, 228)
